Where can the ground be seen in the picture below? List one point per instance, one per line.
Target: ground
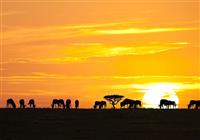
(89, 124)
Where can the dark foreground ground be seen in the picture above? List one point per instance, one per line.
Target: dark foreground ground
(86, 124)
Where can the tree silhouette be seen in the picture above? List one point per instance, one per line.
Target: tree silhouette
(113, 99)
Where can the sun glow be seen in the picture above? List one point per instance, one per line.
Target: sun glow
(155, 92)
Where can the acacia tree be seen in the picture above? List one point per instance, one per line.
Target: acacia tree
(113, 99)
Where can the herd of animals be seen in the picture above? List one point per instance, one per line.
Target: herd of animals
(126, 103)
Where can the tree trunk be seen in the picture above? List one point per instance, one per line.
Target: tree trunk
(113, 105)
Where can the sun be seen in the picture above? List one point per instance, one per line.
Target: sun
(155, 92)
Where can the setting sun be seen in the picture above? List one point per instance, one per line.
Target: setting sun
(155, 92)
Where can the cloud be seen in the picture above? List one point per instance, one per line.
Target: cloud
(39, 76)
(29, 34)
(140, 31)
(104, 50)
(138, 83)
(78, 52)
(180, 43)
(176, 86)
(82, 52)
(47, 33)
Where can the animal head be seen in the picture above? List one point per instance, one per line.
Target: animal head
(139, 103)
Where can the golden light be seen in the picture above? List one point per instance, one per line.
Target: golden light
(155, 92)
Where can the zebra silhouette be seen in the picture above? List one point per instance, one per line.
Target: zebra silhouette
(194, 104)
(58, 102)
(130, 103)
(100, 104)
(31, 103)
(167, 103)
(21, 103)
(11, 103)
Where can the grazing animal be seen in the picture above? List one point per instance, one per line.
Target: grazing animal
(22, 103)
(194, 104)
(31, 103)
(76, 104)
(10, 102)
(138, 103)
(130, 103)
(167, 103)
(99, 104)
(68, 104)
(59, 102)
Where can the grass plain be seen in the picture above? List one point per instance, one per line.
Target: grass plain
(89, 124)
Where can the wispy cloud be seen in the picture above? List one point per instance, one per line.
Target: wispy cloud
(75, 52)
(123, 84)
(39, 76)
(46, 33)
(81, 52)
(176, 86)
(140, 30)
(22, 35)
(104, 50)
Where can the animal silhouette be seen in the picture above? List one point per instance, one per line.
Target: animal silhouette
(22, 103)
(59, 102)
(194, 104)
(76, 104)
(99, 104)
(167, 103)
(68, 104)
(31, 103)
(11, 103)
(130, 103)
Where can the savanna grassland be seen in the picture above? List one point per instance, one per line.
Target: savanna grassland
(88, 124)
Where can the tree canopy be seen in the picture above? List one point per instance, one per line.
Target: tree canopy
(113, 99)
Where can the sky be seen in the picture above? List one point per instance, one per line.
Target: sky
(86, 49)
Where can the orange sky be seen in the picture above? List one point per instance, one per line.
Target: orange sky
(86, 49)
